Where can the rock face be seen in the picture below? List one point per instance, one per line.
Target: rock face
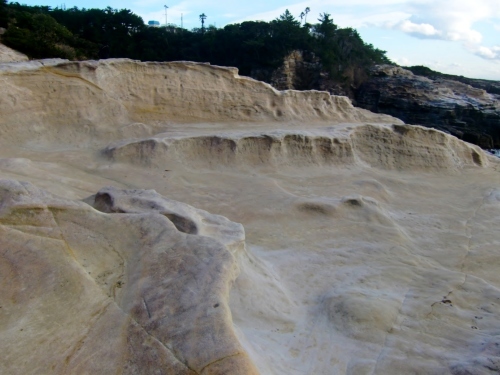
(9, 55)
(492, 87)
(301, 70)
(315, 237)
(117, 92)
(469, 113)
(298, 72)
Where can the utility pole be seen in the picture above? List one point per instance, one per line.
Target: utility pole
(166, 20)
(182, 21)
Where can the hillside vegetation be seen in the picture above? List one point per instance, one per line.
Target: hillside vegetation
(78, 34)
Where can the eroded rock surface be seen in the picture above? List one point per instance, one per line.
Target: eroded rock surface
(139, 291)
(73, 101)
(370, 246)
(399, 147)
(472, 114)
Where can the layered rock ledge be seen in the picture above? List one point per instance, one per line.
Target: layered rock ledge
(72, 101)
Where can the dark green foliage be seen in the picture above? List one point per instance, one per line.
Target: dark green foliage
(112, 30)
(251, 46)
(3, 13)
(422, 71)
(33, 31)
(342, 51)
(39, 35)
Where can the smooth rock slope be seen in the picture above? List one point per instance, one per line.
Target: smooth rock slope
(315, 238)
(9, 55)
(140, 293)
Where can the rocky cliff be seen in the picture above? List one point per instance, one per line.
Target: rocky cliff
(176, 218)
(301, 71)
(467, 108)
(469, 113)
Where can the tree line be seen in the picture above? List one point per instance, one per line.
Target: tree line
(78, 34)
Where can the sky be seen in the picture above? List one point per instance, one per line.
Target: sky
(451, 36)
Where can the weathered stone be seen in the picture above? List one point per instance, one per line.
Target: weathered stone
(469, 113)
(8, 54)
(370, 246)
(135, 289)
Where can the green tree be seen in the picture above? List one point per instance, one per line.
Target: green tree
(306, 11)
(38, 36)
(288, 18)
(4, 20)
(326, 28)
(203, 17)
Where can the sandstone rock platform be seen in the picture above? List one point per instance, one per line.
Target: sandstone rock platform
(176, 218)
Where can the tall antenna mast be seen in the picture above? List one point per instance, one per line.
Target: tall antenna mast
(166, 20)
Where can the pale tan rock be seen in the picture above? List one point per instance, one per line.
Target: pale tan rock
(75, 101)
(9, 55)
(399, 147)
(371, 247)
(116, 292)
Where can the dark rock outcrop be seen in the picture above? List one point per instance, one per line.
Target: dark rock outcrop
(471, 114)
(301, 70)
(492, 87)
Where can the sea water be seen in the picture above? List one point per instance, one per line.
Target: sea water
(495, 152)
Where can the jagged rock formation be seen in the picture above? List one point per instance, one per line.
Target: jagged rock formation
(369, 246)
(470, 114)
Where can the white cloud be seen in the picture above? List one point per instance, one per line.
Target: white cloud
(403, 61)
(451, 20)
(422, 29)
(490, 53)
(371, 18)
(448, 19)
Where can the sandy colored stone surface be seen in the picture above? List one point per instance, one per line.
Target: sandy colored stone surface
(9, 55)
(325, 240)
